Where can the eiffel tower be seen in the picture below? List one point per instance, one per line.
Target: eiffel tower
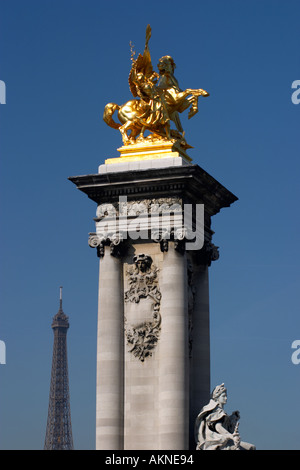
(59, 429)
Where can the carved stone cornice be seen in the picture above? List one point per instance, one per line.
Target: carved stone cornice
(138, 207)
(114, 241)
(190, 182)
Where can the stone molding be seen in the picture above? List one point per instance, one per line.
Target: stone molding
(118, 244)
(190, 182)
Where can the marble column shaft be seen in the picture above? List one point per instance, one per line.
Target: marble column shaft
(173, 375)
(200, 360)
(110, 364)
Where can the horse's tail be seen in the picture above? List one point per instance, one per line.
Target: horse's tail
(109, 110)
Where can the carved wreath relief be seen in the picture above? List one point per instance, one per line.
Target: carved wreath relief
(143, 284)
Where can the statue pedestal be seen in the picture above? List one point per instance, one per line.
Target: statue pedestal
(149, 151)
(153, 350)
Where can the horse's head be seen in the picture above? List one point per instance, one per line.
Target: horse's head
(205, 93)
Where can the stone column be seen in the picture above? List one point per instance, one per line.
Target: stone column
(173, 373)
(110, 363)
(200, 345)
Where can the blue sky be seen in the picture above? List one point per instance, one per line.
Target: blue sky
(62, 61)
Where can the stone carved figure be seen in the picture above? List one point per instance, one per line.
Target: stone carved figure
(143, 283)
(157, 101)
(215, 429)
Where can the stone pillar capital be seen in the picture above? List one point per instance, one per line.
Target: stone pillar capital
(176, 235)
(208, 253)
(115, 241)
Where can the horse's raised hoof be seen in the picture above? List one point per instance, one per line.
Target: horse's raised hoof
(192, 112)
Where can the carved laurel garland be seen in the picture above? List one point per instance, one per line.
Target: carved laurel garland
(137, 207)
(143, 283)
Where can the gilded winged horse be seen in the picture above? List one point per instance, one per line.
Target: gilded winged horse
(157, 100)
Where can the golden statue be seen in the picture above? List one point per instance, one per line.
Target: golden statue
(157, 101)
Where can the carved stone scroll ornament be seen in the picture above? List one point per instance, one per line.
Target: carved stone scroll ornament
(143, 284)
(115, 241)
(177, 235)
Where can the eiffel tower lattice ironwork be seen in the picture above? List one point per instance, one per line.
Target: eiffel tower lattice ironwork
(59, 428)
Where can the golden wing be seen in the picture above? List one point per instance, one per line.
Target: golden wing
(137, 67)
(148, 69)
(141, 65)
